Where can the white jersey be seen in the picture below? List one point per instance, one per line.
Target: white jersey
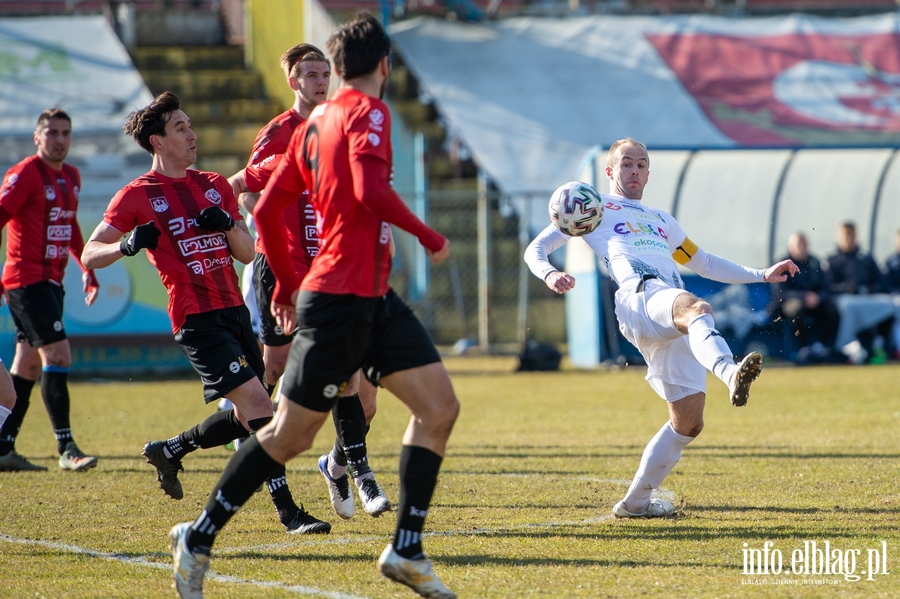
(637, 242)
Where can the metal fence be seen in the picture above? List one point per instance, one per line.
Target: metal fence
(483, 294)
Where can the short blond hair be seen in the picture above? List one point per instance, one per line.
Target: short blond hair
(291, 59)
(625, 141)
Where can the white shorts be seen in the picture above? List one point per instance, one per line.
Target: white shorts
(645, 319)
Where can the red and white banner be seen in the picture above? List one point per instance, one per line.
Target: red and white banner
(795, 89)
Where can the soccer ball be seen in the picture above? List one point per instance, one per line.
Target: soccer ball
(576, 208)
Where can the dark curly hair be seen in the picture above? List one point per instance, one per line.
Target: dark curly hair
(151, 120)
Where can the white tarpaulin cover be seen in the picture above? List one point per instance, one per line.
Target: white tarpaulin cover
(530, 96)
(74, 63)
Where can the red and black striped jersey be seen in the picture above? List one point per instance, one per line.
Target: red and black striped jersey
(299, 217)
(195, 266)
(342, 155)
(39, 205)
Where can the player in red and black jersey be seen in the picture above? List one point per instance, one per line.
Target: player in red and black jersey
(308, 74)
(39, 201)
(192, 229)
(347, 316)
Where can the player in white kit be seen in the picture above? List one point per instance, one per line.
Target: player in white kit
(674, 330)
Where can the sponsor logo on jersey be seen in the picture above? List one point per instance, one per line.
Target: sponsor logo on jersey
(49, 192)
(640, 213)
(311, 233)
(376, 118)
(76, 191)
(312, 250)
(213, 264)
(385, 236)
(638, 228)
(159, 204)
(57, 213)
(51, 252)
(203, 244)
(612, 206)
(330, 391)
(57, 326)
(234, 367)
(196, 266)
(374, 139)
(213, 196)
(177, 225)
(265, 161)
(655, 246)
(59, 233)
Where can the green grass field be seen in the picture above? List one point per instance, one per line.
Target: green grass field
(523, 506)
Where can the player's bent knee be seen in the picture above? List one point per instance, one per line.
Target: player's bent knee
(689, 429)
(444, 416)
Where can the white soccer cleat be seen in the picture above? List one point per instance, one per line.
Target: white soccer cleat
(76, 460)
(747, 371)
(417, 574)
(373, 498)
(658, 508)
(190, 568)
(338, 491)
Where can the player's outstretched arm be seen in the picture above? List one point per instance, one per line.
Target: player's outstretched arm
(778, 273)
(438, 256)
(559, 281)
(106, 245)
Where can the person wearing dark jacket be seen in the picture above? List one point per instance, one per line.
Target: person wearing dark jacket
(852, 271)
(804, 301)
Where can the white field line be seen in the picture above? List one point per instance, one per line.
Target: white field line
(140, 561)
(304, 590)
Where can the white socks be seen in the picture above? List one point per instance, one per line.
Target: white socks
(660, 456)
(4, 412)
(335, 470)
(710, 348)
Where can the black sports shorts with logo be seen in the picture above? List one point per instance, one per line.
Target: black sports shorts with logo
(339, 334)
(37, 311)
(264, 288)
(222, 348)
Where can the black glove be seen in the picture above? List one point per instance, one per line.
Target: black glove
(142, 236)
(214, 218)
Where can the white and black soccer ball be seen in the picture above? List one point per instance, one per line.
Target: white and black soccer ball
(576, 208)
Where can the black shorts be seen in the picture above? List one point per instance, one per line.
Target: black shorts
(264, 288)
(223, 350)
(339, 334)
(37, 311)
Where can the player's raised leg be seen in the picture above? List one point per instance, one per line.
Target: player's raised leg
(693, 316)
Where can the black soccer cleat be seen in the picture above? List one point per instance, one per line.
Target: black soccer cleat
(166, 469)
(302, 522)
(747, 371)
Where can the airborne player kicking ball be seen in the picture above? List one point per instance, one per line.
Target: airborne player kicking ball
(347, 316)
(673, 329)
(190, 225)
